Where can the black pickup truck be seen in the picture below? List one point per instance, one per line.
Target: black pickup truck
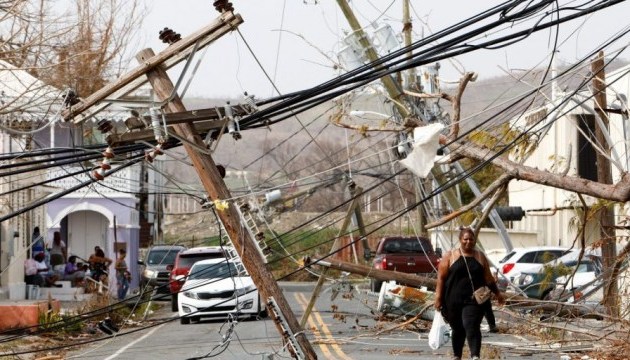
(404, 254)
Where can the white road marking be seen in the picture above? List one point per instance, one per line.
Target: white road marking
(122, 349)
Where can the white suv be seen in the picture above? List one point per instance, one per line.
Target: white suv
(529, 259)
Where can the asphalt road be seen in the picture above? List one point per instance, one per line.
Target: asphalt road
(341, 329)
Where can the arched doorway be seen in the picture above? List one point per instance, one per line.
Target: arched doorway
(86, 229)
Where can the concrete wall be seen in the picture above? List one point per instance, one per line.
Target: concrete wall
(490, 239)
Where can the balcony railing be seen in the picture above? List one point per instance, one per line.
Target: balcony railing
(121, 182)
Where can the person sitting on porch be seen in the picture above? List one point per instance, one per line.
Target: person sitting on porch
(72, 272)
(31, 276)
(47, 276)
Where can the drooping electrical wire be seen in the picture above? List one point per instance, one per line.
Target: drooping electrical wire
(299, 102)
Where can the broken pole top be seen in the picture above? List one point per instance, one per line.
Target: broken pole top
(169, 57)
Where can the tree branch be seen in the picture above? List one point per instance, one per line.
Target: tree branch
(615, 192)
(457, 102)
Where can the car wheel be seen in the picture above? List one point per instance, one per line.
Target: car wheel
(173, 302)
(262, 311)
(263, 314)
(184, 320)
(375, 285)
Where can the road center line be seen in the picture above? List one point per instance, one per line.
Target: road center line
(326, 331)
(323, 347)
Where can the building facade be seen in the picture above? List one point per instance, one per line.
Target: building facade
(567, 145)
(112, 213)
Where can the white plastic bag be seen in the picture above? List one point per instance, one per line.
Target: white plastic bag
(438, 335)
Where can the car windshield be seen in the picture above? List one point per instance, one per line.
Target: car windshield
(220, 270)
(158, 257)
(507, 257)
(186, 261)
(407, 246)
(583, 267)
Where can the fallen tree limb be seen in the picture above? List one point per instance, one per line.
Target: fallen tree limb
(619, 191)
(556, 308)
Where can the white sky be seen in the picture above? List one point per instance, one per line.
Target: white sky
(228, 68)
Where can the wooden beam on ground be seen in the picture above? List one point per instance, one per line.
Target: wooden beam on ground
(382, 275)
(212, 182)
(556, 308)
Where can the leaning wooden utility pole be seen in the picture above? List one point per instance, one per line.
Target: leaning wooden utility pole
(604, 176)
(245, 245)
(407, 26)
(395, 93)
(412, 84)
(388, 81)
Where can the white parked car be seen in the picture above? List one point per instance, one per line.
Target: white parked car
(529, 259)
(214, 289)
(495, 255)
(587, 273)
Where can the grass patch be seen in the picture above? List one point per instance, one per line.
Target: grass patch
(298, 244)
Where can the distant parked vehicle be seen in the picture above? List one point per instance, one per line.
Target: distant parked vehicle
(153, 270)
(495, 255)
(404, 254)
(529, 260)
(213, 288)
(587, 273)
(184, 261)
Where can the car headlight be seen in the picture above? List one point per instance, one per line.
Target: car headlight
(245, 290)
(150, 274)
(191, 294)
(248, 304)
(526, 279)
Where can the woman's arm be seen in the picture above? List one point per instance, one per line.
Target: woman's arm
(441, 279)
(491, 282)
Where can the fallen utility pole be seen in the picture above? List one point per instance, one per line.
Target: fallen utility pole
(382, 275)
(413, 280)
(244, 244)
(394, 92)
(388, 81)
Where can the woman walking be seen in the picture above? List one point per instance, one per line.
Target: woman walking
(460, 273)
